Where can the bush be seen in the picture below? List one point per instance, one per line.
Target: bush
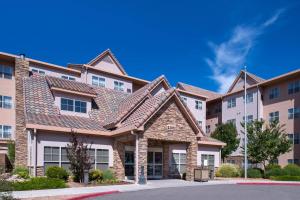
(22, 172)
(285, 178)
(254, 173)
(39, 183)
(108, 175)
(228, 170)
(274, 172)
(272, 166)
(291, 170)
(5, 190)
(96, 175)
(57, 172)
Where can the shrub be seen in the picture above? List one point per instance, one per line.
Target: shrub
(108, 175)
(274, 172)
(285, 178)
(11, 152)
(95, 175)
(254, 173)
(5, 190)
(228, 170)
(292, 170)
(39, 183)
(272, 166)
(22, 172)
(57, 172)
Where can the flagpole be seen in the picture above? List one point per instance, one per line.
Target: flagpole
(245, 121)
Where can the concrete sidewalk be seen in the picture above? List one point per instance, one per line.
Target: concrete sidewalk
(152, 184)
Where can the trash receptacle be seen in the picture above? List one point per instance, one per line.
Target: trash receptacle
(201, 174)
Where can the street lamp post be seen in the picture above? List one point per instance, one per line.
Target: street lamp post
(245, 121)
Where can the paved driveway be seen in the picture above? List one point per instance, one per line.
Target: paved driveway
(211, 192)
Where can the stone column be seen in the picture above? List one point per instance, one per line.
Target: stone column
(142, 157)
(21, 71)
(166, 165)
(119, 159)
(191, 154)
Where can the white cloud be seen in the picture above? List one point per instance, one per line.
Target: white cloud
(230, 56)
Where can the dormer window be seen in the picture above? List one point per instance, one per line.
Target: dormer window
(73, 105)
(119, 86)
(98, 81)
(38, 71)
(68, 77)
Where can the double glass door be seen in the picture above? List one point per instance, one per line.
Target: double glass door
(155, 165)
(129, 164)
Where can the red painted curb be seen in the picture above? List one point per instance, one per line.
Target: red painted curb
(266, 183)
(82, 197)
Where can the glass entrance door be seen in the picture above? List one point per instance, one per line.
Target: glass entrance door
(155, 165)
(129, 164)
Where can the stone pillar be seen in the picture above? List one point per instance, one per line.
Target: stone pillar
(191, 154)
(166, 165)
(142, 157)
(119, 159)
(21, 71)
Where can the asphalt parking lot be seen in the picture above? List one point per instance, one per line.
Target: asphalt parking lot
(211, 192)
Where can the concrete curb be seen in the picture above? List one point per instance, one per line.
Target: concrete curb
(82, 197)
(270, 184)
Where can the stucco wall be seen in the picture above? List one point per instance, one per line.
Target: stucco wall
(55, 72)
(107, 64)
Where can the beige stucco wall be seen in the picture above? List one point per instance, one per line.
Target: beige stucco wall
(213, 118)
(282, 104)
(107, 64)
(7, 88)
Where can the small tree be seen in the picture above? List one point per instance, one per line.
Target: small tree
(11, 152)
(266, 142)
(78, 154)
(227, 133)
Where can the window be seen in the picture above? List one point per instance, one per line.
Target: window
(293, 161)
(294, 113)
(274, 116)
(128, 90)
(210, 160)
(68, 105)
(98, 81)
(6, 72)
(294, 87)
(249, 118)
(200, 123)
(294, 138)
(39, 71)
(232, 121)
(65, 163)
(231, 103)
(230, 161)
(5, 102)
(198, 105)
(184, 99)
(119, 86)
(178, 163)
(5, 131)
(102, 159)
(208, 129)
(249, 97)
(291, 137)
(51, 157)
(218, 109)
(274, 93)
(68, 77)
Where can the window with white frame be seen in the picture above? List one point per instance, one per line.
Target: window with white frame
(198, 105)
(249, 118)
(208, 129)
(118, 85)
(293, 161)
(5, 131)
(294, 113)
(274, 116)
(274, 93)
(231, 121)
(6, 72)
(51, 157)
(184, 99)
(73, 105)
(38, 71)
(294, 138)
(294, 87)
(98, 81)
(231, 103)
(210, 159)
(102, 159)
(200, 123)
(5, 102)
(249, 97)
(67, 77)
(178, 163)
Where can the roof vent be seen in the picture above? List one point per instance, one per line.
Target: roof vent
(22, 56)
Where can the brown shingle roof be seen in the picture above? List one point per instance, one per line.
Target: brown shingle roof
(70, 85)
(197, 90)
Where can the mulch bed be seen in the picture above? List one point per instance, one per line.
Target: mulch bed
(75, 184)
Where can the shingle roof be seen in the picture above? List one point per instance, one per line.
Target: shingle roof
(197, 90)
(70, 85)
(255, 77)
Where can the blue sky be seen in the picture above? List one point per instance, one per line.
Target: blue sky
(204, 43)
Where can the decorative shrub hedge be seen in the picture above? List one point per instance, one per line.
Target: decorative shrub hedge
(291, 170)
(21, 171)
(228, 170)
(96, 175)
(108, 175)
(285, 178)
(253, 173)
(39, 183)
(57, 172)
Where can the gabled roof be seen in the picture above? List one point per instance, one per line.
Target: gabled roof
(200, 91)
(255, 78)
(128, 104)
(102, 55)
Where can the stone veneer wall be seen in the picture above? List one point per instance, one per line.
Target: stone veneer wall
(21, 71)
(119, 159)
